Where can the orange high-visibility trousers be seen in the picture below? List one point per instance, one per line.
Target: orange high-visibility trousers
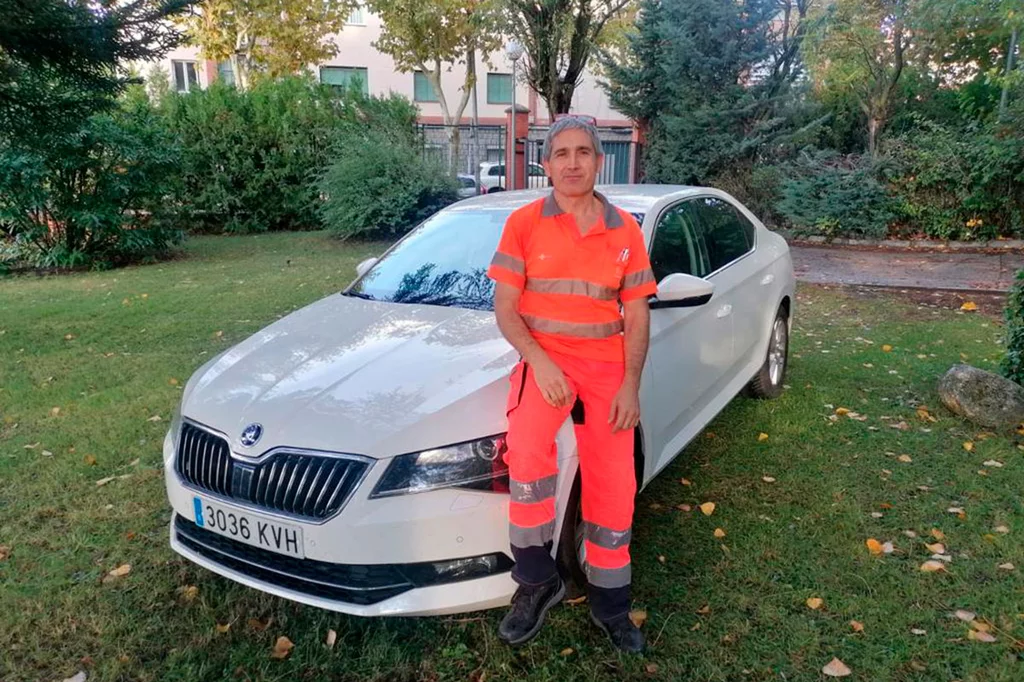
(608, 480)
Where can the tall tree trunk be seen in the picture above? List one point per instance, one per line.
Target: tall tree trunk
(1010, 55)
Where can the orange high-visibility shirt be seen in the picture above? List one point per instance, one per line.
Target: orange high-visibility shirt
(572, 284)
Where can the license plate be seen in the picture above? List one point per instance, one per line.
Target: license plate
(249, 528)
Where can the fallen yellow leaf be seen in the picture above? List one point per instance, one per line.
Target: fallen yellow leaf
(189, 592)
(577, 600)
(5, 551)
(814, 602)
(708, 508)
(836, 668)
(638, 616)
(719, 533)
(661, 558)
(933, 566)
(968, 446)
(936, 548)
(886, 348)
(761, 437)
(90, 460)
(768, 479)
(685, 481)
(332, 637)
(704, 610)
(906, 459)
(977, 636)
(282, 647)
(937, 534)
(965, 616)
(874, 546)
(980, 626)
(54, 411)
(567, 651)
(857, 626)
(969, 305)
(683, 507)
(842, 411)
(173, 382)
(119, 572)
(1007, 566)
(223, 629)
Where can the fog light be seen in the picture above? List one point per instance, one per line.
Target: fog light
(455, 570)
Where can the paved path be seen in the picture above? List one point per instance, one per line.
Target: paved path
(921, 269)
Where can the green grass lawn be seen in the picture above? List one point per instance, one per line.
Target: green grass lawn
(88, 361)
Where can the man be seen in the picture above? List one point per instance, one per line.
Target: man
(562, 268)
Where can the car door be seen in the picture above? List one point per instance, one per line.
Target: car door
(729, 237)
(690, 347)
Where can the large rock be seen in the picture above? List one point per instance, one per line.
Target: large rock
(983, 397)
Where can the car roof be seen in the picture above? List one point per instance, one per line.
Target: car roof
(630, 198)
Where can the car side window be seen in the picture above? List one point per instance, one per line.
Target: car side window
(726, 233)
(676, 246)
(496, 170)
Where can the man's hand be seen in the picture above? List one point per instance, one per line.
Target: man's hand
(625, 412)
(552, 383)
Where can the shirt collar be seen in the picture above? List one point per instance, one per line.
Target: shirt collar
(612, 219)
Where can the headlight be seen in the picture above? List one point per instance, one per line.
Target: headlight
(479, 465)
(174, 429)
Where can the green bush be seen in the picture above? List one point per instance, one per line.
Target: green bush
(756, 187)
(834, 196)
(957, 184)
(251, 159)
(95, 196)
(380, 185)
(1012, 366)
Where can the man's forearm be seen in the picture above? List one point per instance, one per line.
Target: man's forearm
(637, 319)
(515, 331)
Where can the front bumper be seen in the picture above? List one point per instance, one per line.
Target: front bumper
(370, 542)
(372, 590)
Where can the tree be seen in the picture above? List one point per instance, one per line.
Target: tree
(559, 36)
(269, 37)
(865, 46)
(431, 35)
(710, 79)
(60, 60)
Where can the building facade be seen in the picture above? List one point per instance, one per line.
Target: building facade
(358, 60)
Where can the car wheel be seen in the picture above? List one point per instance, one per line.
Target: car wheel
(767, 383)
(499, 188)
(571, 549)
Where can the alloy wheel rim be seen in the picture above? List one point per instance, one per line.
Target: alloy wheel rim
(777, 352)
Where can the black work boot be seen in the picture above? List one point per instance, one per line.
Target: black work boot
(624, 635)
(529, 606)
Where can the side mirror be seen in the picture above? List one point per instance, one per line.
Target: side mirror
(365, 265)
(682, 291)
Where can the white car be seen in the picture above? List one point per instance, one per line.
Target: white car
(492, 177)
(348, 456)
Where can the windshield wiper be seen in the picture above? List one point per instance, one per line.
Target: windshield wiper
(358, 294)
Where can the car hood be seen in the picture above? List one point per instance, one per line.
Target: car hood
(361, 377)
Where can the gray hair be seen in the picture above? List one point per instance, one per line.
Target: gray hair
(571, 123)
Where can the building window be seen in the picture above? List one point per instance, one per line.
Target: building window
(499, 88)
(185, 76)
(226, 72)
(422, 90)
(356, 18)
(343, 77)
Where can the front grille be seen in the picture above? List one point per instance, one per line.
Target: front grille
(305, 485)
(348, 583)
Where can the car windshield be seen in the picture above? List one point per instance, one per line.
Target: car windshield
(443, 262)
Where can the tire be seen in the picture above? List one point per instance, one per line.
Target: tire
(499, 188)
(569, 556)
(767, 383)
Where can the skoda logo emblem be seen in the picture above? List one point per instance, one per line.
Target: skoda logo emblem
(251, 435)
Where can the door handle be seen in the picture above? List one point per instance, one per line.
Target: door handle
(724, 311)
(767, 279)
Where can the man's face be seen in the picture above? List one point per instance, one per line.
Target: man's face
(573, 165)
